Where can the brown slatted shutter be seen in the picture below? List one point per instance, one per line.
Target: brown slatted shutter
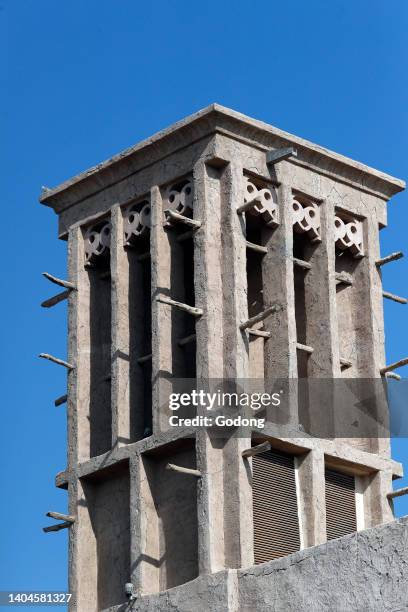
(340, 504)
(276, 523)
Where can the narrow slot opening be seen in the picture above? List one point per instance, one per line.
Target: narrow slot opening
(255, 296)
(140, 340)
(254, 267)
(182, 290)
(301, 250)
(100, 413)
(349, 301)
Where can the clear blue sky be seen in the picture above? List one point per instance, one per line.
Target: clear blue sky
(82, 80)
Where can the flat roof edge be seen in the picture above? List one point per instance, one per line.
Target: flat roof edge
(51, 197)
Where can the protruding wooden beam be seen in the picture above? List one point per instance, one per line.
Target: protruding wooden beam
(144, 359)
(257, 450)
(175, 217)
(183, 470)
(304, 347)
(259, 332)
(61, 480)
(57, 527)
(59, 281)
(345, 364)
(248, 205)
(302, 264)
(56, 299)
(392, 375)
(398, 493)
(343, 278)
(61, 362)
(60, 400)
(260, 317)
(196, 312)
(61, 517)
(258, 248)
(388, 258)
(394, 298)
(187, 340)
(394, 366)
(277, 155)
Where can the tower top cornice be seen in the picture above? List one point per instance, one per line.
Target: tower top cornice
(212, 120)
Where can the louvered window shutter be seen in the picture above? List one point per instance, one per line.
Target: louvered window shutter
(340, 504)
(276, 524)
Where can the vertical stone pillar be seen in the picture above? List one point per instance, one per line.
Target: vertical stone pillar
(121, 433)
(83, 558)
(210, 503)
(239, 547)
(78, 352)
(161, 314)
(278, 287)
(77, 415)
(321, 327)
(208, 261)
(234, 274)
(320, 291)
(373, 355)
(378, 509)
(367, 281)
(376, 288)
(137, 529)
(310, 476)
(75, 253)
(208, 278)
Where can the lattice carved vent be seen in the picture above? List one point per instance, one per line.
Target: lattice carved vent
(348, 235)
(137, 221)
(306, 217)
(267, 208)
(97, 242)
(179, 197)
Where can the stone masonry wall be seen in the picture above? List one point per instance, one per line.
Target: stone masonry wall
(365, 571)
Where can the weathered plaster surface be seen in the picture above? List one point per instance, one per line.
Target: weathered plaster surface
(217, 149)
(361, 572)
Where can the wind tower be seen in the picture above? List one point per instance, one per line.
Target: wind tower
(177, 249)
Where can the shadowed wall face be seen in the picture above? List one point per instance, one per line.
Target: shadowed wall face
(100, 414)
(170, 508)
(107, 503)
(140, 343)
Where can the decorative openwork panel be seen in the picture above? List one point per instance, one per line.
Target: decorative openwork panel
(97, 242)
(179, 197)
(267, 209)
(306, 217)
(137, 221)
(349, 235)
